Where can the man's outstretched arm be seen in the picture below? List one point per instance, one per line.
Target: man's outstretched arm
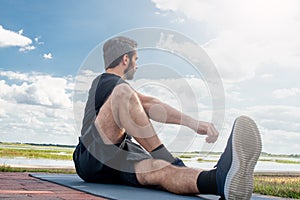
(162, 112)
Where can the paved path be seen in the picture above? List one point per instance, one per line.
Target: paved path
(22, 186)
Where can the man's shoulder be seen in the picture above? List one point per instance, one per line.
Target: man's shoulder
(123, 88)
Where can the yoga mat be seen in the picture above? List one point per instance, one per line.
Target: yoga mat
(123, 192)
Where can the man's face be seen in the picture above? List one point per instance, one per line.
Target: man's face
(132, 67)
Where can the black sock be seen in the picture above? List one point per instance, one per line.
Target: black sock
(207, 183)
(161, 152)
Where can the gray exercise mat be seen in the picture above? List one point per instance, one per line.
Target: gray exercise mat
(111, 191)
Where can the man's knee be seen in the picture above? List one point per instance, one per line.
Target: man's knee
(151, 171)
(125, 102)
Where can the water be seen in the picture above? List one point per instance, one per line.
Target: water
(262, 166)
(25, 162)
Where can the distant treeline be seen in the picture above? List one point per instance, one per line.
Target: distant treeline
(54, 145)
(280, 155)
(35, 144)
(262, 154)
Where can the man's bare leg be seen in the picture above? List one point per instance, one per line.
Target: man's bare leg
(179, 180)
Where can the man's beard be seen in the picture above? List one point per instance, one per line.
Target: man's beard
(129, 72)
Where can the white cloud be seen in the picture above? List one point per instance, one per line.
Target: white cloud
(36, 89)
(277, 123)
(9, 38)
(27, 48)
(286, 142)
(21, 32)
(37, 123)
(285, 93)
(279, 127)
(84, 80)
(278, 113)
(47, 56)
(284, 119)
(37, 107)
(194, 54)
(14, 75)
(245, 34)
(2, 109)
(178, 20)
(181, 93)
(235, 96)
(186, 48)
(267, 76)
(37, 40)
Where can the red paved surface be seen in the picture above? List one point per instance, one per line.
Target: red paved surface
(22, 186)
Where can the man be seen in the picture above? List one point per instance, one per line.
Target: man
(115, 112)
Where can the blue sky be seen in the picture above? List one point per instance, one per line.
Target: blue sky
(254, 45)
(63, 26)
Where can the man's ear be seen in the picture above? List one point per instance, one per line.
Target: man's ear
(125, 59)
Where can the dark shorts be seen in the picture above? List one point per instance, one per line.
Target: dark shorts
(98, 162)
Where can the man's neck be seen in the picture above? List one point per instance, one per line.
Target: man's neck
(115, 72)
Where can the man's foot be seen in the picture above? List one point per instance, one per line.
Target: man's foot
(235, 167)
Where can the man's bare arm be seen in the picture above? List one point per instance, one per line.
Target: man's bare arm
(162, 112)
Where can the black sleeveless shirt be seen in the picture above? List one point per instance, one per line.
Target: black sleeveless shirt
(101, 89)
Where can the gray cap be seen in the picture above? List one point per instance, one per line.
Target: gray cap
(116, 47)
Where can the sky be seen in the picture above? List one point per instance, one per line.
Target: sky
(46, 47)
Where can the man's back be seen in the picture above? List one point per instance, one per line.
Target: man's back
(99, 94)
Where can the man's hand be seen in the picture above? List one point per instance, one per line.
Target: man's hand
(205, 128)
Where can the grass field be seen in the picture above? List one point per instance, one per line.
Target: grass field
(8, 150)
(7, 168)
(281, 186)
(35, 153)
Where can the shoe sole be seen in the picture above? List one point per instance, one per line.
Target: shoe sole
(246, 149)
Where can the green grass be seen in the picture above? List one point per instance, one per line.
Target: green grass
(279, 161)
(7, 168)
(204, 160)
(59, 154)
(287, 161)
(265, 160)
(184, 156)
(281, 186)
